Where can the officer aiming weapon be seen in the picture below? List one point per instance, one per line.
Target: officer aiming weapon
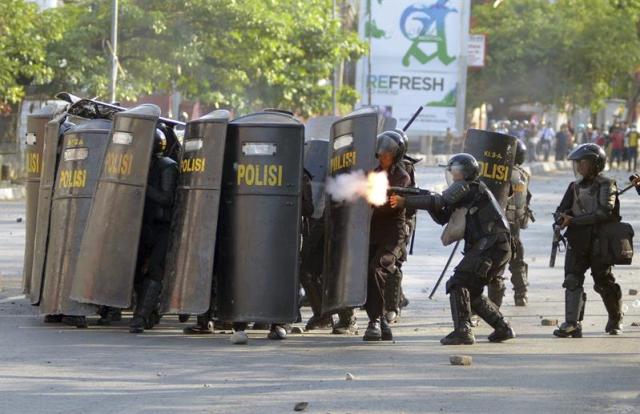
(407, 191)
(559, 242)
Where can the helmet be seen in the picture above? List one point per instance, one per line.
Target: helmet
(466, 163)
(393, 142)
(521, 152)
(589, 151)
(404, 136)
(159, 143)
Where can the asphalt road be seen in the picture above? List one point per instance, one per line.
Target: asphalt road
(57, 369)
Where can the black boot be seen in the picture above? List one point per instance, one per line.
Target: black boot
(319, 322)
(612, 298)
(183, 318)
(490, 313)
(385, 329)
(574, 302)
(204, 325)
(346, 324)
(373, 332)
(108, 315)
(77, 321)
(145, 306)
(277, 331)
(520, 298)
(461, 315)
(52, 319)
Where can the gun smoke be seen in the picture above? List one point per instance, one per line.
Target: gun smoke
(351, 186)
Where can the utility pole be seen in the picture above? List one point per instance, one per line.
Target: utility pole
(114, 49)
(369, 54)
(334, 89)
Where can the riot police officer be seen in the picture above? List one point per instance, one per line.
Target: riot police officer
(589, 202)
(518, 215)
(486, 251)
(158, 208)
(387, 236)
(394, 296)
(312, 257)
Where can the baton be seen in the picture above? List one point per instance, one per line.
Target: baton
(445, 269)
(413, 118)
(624, 190)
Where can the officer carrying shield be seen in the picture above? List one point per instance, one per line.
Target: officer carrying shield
(486, 252)
(590, 202)
(387, 236)
(154, 239)
(518, 215)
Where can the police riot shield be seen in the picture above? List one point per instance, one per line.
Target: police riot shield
(319, 127)
(316, 158)
(36, 123)
(52, 142)
(108, 252)
(260, 214)
(82, 154)
(352, 148)
(495, 153)
(189, 263)
(389, 123)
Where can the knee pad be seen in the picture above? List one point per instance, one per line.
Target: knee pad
(571, 282)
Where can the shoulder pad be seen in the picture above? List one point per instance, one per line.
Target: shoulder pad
(602, 179)
(456, 192)
(166, 162)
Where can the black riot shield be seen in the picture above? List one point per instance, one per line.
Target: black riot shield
(316, 159)
(319, 127)
(36, 124)
(189, 264)
(50, 155)
(352, 148)
(108, 252)
(495, 153)
(82, 154)
(260, 214)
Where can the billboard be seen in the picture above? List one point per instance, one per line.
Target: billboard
(418, 56)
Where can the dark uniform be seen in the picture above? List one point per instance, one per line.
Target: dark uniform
(393, 293)
(518, 214)
(154, 239)
(486, 251)
(386, 239)
(312, 257)
(591, 201)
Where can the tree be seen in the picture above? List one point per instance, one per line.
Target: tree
(25, 34)
(244, 54)
(569, 52)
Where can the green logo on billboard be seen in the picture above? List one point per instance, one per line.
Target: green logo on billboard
(423, 24)
(449, 101)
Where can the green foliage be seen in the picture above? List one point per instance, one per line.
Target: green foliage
(245, 54)
(24, 36)
(578, 52)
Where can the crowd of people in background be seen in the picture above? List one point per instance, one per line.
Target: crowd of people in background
(620, 140)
